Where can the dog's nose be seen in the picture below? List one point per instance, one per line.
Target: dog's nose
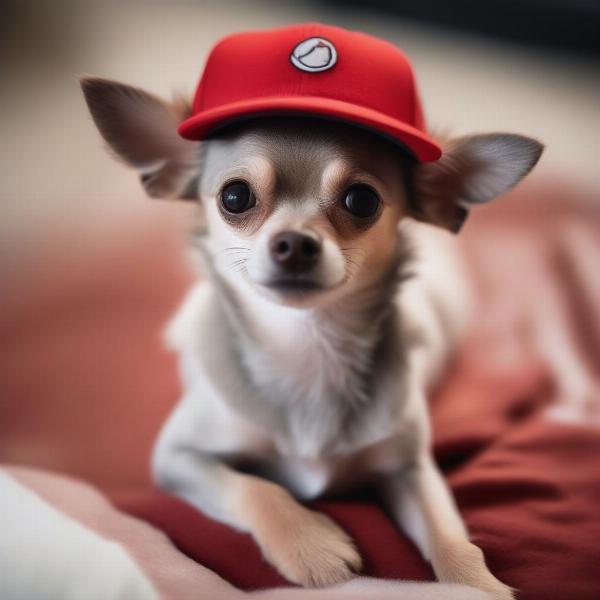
(295, 252)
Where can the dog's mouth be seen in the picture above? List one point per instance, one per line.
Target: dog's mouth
(290, 285)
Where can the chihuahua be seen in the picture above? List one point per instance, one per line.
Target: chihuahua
(332, 297)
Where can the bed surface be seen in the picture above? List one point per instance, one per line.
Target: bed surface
(85, 385)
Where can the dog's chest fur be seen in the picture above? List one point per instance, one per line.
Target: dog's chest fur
(314, 378)
(319, 383)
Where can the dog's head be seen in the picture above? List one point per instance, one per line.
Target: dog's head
(300, 209)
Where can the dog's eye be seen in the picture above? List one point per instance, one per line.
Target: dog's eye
(361, 201)
(236, 197)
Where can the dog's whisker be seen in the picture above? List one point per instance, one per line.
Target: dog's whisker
(356, 250)
(352, 265)
(239, 268)
(237, 265)
(234, 250)
(352, 268)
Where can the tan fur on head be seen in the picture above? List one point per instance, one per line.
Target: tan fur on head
(299, 176)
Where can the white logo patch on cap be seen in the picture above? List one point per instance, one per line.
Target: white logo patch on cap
(313, 55)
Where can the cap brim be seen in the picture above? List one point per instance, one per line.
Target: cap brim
(420, 144)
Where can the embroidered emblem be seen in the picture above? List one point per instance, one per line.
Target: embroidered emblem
(314, 54)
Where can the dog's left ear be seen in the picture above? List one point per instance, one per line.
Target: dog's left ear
(141, 129)
(473, 170)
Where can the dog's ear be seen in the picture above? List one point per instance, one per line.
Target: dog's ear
(142, 130)
(473, 170)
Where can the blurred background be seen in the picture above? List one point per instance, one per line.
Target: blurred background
(90, 268)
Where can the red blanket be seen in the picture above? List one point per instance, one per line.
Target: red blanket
(528, 488)
(85, 384)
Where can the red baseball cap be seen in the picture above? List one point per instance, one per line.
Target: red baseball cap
(311, 69)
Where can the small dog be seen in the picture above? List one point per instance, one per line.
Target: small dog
(332, 302)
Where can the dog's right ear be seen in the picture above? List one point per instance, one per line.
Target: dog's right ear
(142, 130)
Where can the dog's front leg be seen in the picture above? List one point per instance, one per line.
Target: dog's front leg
(305, 546)
(423, 506)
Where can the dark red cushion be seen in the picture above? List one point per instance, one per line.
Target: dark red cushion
(237, 559)
(529, 490)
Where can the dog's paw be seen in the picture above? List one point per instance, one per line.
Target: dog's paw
(308, 548)
(463, 562)
(497, 589)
